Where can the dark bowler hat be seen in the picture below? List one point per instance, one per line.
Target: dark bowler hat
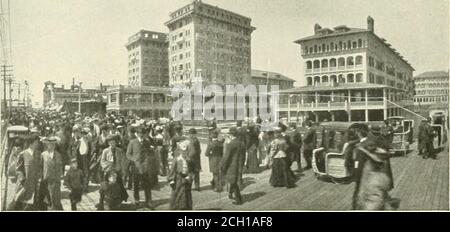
(193, 131)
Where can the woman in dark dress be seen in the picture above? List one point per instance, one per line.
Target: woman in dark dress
(180, 179)
(282, 175)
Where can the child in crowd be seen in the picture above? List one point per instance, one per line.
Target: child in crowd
(74, 182)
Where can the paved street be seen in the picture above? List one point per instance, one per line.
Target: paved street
(420, 184)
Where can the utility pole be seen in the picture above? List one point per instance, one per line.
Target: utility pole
(25, 98)
(10, 93)
(18, 94)
(6, 77)
(79, 98)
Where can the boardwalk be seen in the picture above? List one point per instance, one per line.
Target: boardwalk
(420, 184)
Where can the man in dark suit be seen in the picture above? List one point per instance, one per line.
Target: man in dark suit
(309, 143)
(194, 157)
(231, 163)
(295, 139)
(139, 155)
(214, 151)
(373, 175)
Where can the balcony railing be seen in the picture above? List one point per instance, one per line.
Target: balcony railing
(308, 70)
(325, 69)
(330, 105)
(316, 70)
(350, 66)
(332, 68)
(341, 67)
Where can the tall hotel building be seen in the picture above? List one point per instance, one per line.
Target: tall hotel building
(351, 74)
(432, 90)
(148, 59)
(208, 44)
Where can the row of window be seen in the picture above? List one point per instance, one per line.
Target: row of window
(432, 92)
(181, 56)
(224, 15)
(180, 46)
(181, 67)
(340, 62)
(341, 78)
(338, 46)
(224, 25)
(433, 85)
(432, 99)
(388, 68)
(434, 79)
(186, 33)
(153, 44)
(181, 11)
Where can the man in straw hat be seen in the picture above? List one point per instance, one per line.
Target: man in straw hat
(372, 177)
(231, 164)
(52, 175)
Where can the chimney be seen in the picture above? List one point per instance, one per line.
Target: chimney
(370, 24)
(317, 27)
(62, 86)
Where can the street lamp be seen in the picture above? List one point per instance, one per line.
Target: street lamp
(79, 97)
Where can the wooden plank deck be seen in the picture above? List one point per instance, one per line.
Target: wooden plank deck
(419, 184)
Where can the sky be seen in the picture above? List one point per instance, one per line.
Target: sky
(59, 40)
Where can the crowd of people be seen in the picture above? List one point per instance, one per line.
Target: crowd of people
(127, 152)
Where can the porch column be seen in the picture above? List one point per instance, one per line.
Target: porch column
(332, 116)
(349, 115)
(367, 97)
(317, 116)
(385, 110)
(316, 98)
(289, 109)
(367, 115)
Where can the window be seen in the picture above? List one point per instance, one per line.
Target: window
(360, 43)
(181, 67)
(371, 61)
(324, 63)
(332, 63)
(350, 78)
(181, 56)
(358, 60)
(316, 64)
(359, 77)
(350, 61)
(341, 62)
(308, 65)
(371, 78)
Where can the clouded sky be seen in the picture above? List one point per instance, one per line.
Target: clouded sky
(59, 40)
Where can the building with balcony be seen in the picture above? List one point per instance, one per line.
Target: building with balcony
(145, 101)
(57, 96)
(208, 44)
(431, 92)
(260, 77)
(148, 59)
(351, 74)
